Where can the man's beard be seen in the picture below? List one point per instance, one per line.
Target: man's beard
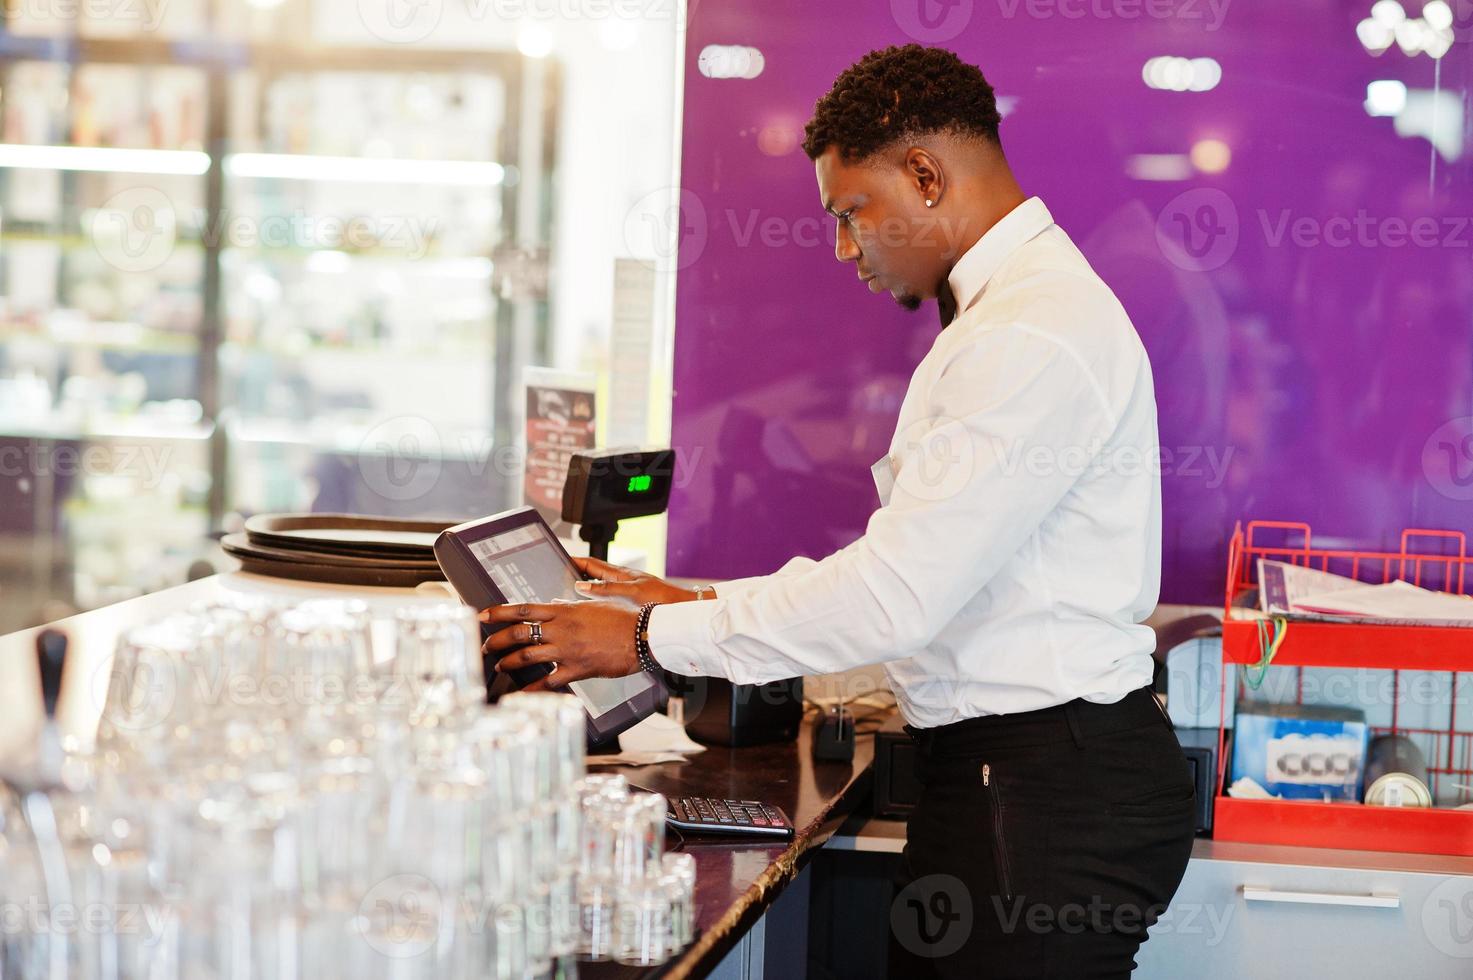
(909, 302)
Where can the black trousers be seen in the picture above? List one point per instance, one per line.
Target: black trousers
(1045, 843)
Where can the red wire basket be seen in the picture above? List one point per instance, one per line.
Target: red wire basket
(1449, 751)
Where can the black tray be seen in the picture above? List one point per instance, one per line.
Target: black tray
(346, 534)
(309, 568)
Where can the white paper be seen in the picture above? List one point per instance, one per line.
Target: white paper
(658, 733)
(631, 348)
(884, 473)
(1290, 590)
(1394, 600)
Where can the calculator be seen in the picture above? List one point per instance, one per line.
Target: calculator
(693, 815)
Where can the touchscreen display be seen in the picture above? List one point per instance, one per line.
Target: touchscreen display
(527, 566)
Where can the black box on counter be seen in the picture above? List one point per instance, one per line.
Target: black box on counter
(719, 712)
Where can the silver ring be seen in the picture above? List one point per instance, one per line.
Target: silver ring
(536, 629)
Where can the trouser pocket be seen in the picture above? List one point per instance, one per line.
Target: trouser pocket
(999, 836)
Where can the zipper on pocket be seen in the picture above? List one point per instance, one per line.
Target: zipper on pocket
(999, 841)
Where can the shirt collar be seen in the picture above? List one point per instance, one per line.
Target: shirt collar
(980, 262)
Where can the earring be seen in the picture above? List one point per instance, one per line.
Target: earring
(930, 203)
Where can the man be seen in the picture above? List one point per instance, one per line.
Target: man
(1004, 579)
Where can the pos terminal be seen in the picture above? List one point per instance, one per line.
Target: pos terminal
(514, 557)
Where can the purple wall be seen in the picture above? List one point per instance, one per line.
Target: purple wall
(1307, 369)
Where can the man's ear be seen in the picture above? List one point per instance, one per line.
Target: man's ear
(925, 175)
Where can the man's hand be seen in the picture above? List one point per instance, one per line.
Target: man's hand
(583, 639)
(616, 582)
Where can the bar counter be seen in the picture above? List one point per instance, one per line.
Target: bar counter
(736, 882)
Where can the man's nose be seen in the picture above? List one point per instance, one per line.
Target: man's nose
(845, 248)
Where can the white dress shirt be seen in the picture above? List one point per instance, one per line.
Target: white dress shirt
(1017, 550)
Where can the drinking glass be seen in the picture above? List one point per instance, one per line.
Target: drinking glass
(642, 923)
(437, 654)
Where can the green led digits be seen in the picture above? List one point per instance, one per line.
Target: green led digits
(641, 483)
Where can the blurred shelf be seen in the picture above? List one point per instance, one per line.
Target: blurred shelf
(69, 241)
(462, 444)
(1359, 645)
(120, 428)
(243, 55)
(361, 351)
(458, 265)
(136, 340)
(1348, 826)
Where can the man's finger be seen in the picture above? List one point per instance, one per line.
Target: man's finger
(557, 680)
(516, 635)
(534, 612)
(596, 568)
(528, 656)
(607, 590)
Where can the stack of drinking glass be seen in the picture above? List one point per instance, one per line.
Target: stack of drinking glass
(266, 797)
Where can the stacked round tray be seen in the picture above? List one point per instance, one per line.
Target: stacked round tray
(344, 548)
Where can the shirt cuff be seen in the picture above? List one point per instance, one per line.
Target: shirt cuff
(736, 586)
(680, 638)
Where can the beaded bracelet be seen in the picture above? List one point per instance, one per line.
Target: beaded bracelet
(642, 639)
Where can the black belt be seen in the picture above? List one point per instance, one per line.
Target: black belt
(1075, 720)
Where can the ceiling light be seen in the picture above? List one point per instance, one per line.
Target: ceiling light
(1211, 156)
(365, 170)
(1386, 97)
(104, 159)
(1388, 12)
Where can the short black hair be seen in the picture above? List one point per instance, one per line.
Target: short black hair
(897, 94)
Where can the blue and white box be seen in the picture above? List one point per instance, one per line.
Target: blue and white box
(1301, 752)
